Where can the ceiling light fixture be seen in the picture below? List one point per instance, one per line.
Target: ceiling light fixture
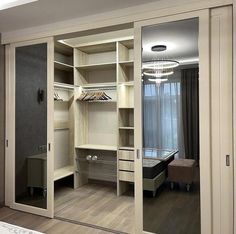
(160, 64)
(158, 74)
(159, 68)
(5, 4)
(158, 81)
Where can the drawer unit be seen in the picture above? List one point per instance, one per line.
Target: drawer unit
(126, 155)
(126, 176)
(126, 165)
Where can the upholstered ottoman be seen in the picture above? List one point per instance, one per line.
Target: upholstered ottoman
(181, 171)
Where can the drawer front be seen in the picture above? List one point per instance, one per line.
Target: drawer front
(126, 176)
(126, 165)
(126, 155)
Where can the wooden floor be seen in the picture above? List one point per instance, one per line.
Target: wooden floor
(45, 225)
(172, 212)
(96, 204)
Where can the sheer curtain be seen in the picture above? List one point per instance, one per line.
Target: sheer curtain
(162, 122)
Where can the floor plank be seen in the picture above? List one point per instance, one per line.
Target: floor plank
(45, 225)
(96, 204)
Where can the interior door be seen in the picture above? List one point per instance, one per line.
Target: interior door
(30, 127)
(205, 215)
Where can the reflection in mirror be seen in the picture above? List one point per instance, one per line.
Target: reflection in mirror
(171, 183)
(31, 125)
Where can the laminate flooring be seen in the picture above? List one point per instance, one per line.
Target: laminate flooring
(44, 225)
(172, 211)
(96, 204)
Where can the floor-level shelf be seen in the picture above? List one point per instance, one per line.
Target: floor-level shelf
(63, 172)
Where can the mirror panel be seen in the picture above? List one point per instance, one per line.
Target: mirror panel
(31, 125)
(171, 181)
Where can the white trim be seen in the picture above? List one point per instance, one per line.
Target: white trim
(10, 129)
(204, 100)
(112, 18)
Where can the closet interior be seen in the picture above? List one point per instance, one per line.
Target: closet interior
(94, 112)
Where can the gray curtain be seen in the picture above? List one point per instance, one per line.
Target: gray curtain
(162, 125)
(190, 112)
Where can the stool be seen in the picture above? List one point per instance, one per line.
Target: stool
(181, 171)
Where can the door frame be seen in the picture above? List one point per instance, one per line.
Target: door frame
(204, 115)
(10, 129)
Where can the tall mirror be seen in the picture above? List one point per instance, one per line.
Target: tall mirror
(171, 182)
(31, 125)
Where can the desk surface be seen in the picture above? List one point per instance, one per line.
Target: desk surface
(158, 154)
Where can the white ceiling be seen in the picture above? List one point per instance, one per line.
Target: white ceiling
(51, 11)
(181, 39)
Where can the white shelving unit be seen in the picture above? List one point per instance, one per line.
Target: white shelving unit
(64, 164)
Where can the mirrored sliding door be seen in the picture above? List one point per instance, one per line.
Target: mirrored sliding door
(171, 182)
(32, 180)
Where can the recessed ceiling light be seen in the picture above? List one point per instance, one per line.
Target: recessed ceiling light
(5, 4)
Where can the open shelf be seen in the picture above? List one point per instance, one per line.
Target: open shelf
(126, 128)
(98, 66)
(97, 147)
(63, 172)
(126, 147)
(60, 125)
(98, 47)
(128, 83)
(63, 86)
(63, 66)
(99, 85)
(129, 63)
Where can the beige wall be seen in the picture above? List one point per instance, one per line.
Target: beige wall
(2, 123)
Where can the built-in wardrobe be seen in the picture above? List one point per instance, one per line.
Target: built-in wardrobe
(86, 87)
(94, 109)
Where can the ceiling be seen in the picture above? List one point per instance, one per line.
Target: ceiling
(51, 11)
(180, 37)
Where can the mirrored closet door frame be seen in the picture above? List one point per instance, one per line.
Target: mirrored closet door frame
(10, 128)
(204, 102)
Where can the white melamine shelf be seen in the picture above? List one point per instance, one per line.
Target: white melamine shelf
(97, 66)
(126, 128)
(127, 83)
(63, 66)
(99, 85)
(129, 63)
(103, 46)
(97, 147)
(126, 107)
(63, 49)
(126, 148)
(63, 172)
(59, 125)
(63, 86)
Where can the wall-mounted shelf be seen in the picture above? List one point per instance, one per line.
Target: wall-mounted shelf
(63, 66)
(97, 147)
(98, 66)
(63, 172)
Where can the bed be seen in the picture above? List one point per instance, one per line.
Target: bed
(155, 162)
